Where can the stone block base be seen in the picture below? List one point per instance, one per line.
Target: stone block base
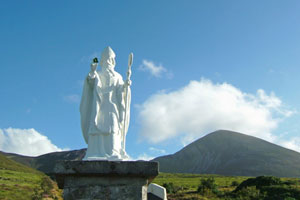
(105, 180)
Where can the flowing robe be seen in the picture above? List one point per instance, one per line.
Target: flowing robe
(102, 111)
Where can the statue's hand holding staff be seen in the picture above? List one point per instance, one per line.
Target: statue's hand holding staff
(128, 83)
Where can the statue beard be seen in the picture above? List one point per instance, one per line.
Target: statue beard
(110, 69)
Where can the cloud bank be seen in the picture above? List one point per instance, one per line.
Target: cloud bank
(25, 142)
(202, 107)
(155, 70)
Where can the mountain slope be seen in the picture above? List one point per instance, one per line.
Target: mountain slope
(8, 164)
(231, 153)
(18, 182)
(46, 162)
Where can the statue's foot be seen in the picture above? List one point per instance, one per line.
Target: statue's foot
(124, 155)
(94, 158)
(90, 157)
(114, 158)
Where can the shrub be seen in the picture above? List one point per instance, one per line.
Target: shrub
(249, 193)
(291, 182)
(281, 192)
(267, 188)
(259, 182)
(208, 185)
(234, 183)
(170, 188)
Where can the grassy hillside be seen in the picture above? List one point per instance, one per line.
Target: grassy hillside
(46, 162)
(25, 160)
(197, 187)
(8, 164)
(19, 182)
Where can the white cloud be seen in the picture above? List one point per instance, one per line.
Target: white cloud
(293, 143)
(152, 153)
(202, 107)
(155, 150)
(25, 142)
(72, 98)
(144, 156)
(155, 70)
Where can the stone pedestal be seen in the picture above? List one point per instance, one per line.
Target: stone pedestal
(105, 180)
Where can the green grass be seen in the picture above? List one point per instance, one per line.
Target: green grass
(191, 181)
(186, 186)
(18, 182)
(9, 164)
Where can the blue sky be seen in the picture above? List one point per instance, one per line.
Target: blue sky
(199, 66)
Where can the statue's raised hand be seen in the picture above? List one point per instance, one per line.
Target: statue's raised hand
(93, 67)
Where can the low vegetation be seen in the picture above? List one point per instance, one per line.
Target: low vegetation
(18, 182)
(215, 187)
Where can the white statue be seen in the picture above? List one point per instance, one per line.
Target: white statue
(105, 109)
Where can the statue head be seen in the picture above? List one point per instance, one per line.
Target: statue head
(108, 58)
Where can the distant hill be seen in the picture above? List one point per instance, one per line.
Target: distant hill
(18, 181)
(46, 162)
(231, 153)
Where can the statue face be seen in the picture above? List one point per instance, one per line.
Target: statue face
(108, 63)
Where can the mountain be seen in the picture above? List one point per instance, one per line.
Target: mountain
(221, 152)
(18, 181)
(46, 162)
(231, 153)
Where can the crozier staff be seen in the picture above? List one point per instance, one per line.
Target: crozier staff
(128, 81)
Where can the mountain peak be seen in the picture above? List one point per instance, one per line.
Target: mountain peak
(232, 153)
